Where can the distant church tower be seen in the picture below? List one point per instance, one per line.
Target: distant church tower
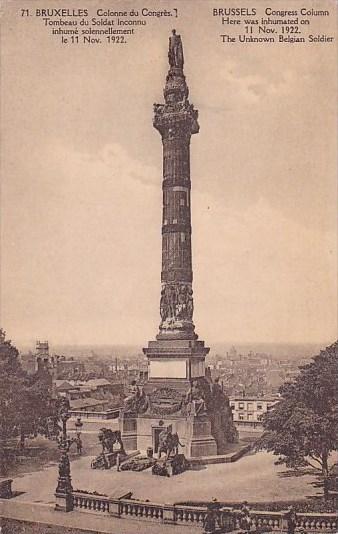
(45, 364)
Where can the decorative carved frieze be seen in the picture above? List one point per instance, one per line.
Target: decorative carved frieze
(176, 302)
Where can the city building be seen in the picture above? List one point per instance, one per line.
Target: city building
(68, 367)
(248, 411)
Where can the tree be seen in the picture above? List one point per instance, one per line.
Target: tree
(11, 383)
(37, 407)
(25, 402)
(302, 427)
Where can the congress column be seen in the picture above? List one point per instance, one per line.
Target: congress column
(176, 120)
(176, 356)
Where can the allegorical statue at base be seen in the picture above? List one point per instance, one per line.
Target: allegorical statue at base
(108, 457)
(137, 401)
(168, 443)
(195, 400)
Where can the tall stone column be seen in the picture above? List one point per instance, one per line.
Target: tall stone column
(176, 121)
(174, 398)
(177, 356)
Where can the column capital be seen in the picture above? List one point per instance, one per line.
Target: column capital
(178, 120)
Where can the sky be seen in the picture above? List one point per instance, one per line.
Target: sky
(81, 182)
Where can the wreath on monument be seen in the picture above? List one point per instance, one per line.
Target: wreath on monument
(158, 409)
(165, 401)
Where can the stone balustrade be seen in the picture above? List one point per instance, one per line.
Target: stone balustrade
(89, 502)
(312, 523)
(260, 519)
(140, 510)
(189, 515)
(317, 522)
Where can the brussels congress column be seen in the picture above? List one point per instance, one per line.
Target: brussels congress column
(176, 356)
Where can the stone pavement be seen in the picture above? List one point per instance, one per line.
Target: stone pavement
(253, 477)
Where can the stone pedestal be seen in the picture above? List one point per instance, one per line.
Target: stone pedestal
(63, 502)
(6, 488)
(114, 508)
(200, 442)
(194, 433)
(169, 514)
(174, 362)
(128, 428)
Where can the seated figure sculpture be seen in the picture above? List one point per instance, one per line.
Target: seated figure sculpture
(130, 402)
(137, 401)
(195, 400)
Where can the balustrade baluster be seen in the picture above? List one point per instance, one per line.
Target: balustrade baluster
(310, 522)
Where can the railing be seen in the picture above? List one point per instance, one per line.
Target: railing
(229, 518)
(189, 515)
(140, 509)
(94, 503)
(317, 522)
(260, 519)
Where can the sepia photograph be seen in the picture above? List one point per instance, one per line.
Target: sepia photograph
(168, 326)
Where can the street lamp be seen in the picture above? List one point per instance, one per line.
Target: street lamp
(63, 492)
(78, 427)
